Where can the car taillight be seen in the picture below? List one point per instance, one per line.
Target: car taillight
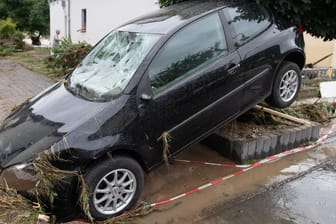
(301, 30)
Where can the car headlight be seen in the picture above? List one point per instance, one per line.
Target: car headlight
(22, 166)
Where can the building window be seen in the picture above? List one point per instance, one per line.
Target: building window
(83, 29)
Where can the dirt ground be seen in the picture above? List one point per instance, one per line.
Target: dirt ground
(256, 123)
(17, 84)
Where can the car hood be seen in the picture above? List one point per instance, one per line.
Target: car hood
(42, 121)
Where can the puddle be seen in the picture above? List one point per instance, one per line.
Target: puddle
(229, 202)
(309, 199)
(182, 177)
(301, 167)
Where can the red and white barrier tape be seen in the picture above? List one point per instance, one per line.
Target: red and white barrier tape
(213, 164)
(247, 168)
(333, 127)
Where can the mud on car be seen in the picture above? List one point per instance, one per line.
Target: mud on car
(184, 70)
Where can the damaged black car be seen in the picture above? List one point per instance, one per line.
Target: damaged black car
(182, 71)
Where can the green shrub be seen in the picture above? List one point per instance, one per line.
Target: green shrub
(18, 40)
(7, 28)
(5, 51)
(66, 56)
(10, 39)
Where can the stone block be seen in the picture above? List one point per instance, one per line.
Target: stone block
(284, 140)
(242, 150)
(292, 137)
(266, 147)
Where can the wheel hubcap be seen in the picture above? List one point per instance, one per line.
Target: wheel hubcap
(114, 191)
(289, 85)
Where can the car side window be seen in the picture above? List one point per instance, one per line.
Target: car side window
(246, 23)
(188, 51)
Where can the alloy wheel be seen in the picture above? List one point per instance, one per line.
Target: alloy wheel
(114, 191)
(289, 85)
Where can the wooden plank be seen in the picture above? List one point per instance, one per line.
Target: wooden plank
(286, 116)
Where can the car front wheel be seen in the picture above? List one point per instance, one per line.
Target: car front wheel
(286, 86)
(114, 186)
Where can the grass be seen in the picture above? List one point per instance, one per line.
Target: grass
(318, 112)
(315, 83)
(166, 138)
(128, 217)
(16, 209)
(251, 162)
(34, 60)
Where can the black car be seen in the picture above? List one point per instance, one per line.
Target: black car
(181, 71)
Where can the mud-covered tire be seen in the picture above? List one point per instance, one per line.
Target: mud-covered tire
(114, 186)
(286, 85)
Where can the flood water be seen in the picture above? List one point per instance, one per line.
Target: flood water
(311, 199)
(308, 199)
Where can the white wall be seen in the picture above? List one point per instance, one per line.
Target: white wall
(57, 19)
(102, 16)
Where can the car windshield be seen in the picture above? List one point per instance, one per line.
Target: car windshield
(107, 69)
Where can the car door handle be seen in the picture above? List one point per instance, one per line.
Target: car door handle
(233, 68)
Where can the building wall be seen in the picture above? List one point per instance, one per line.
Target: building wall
(57, 19)
(316, 49)
(333, 62)
(102, 16)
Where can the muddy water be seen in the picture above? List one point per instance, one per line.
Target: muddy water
(169, 181)
(309, 199)
(221, 203)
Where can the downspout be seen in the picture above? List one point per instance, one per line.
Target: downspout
(65, 18)
(51, 32)
(69, 19)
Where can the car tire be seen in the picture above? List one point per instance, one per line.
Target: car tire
(286, 85)
(114, 186)
(65, 205)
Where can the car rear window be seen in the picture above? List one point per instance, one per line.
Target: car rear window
(246, 22)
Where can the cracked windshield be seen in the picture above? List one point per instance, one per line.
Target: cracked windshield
(107, 69)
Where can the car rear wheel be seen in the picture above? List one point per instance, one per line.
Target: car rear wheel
(286, 85)
(114, 186)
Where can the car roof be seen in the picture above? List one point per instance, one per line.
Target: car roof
(166, 19)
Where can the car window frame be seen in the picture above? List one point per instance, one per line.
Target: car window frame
(228, 40)
(253, 36)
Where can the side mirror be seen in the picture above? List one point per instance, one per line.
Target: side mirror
(146, 97)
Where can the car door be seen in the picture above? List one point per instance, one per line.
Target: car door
(252, 34)
(190, 86)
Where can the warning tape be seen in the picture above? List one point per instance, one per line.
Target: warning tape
(212, 164)
(248, 168)
(333, 127)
